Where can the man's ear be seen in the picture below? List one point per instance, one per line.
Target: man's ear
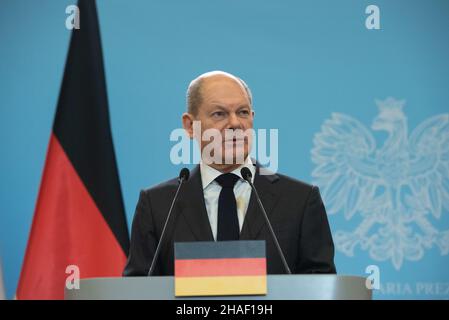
(187, 124)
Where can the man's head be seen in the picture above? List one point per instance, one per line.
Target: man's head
(220, 101)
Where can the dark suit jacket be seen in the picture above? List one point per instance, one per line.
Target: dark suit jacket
(294, 208)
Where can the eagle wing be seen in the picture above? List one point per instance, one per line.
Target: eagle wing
(346, 170)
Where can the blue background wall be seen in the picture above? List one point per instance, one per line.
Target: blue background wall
(302, 59)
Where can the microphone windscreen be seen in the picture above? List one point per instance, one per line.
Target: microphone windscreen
(184, 174)
(246, 174)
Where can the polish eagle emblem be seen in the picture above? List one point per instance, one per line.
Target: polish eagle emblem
(398, 191)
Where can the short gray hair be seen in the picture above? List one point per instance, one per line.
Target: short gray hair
(194, 98)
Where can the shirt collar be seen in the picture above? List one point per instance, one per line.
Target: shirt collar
(209, 174)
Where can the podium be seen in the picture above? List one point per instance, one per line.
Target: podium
(280, 287)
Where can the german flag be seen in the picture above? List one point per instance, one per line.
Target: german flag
(220, 268)
(79, 217)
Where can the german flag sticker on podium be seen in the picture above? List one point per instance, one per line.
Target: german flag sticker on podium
(221, 268)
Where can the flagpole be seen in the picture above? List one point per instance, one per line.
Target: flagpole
(2, 286)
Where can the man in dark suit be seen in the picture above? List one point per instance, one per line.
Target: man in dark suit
(216, 204)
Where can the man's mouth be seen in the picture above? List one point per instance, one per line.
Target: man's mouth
(235, 140)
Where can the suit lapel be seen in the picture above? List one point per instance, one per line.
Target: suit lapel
(269, 195)
(193, 207)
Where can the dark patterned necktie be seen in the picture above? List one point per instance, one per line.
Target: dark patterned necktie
(228, 222)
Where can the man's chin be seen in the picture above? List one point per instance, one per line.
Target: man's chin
(226, 161)
(235, 159)
(234, 155)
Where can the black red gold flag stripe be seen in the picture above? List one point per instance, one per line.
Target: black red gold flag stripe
(220, 268)
(79, 217)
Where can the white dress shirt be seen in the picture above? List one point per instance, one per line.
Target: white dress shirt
(212, 189)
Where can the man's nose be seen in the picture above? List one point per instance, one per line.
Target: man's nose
(234, 122)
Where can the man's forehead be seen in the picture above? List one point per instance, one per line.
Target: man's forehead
(221, 79)
(222, 86)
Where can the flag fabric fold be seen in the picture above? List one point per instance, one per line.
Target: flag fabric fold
(79, 217)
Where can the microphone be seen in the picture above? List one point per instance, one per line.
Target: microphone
(247, 175)
(183, 177)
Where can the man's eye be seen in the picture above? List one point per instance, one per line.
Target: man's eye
(244, 112)
(218, 114)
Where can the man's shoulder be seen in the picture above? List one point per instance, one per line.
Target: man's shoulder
(162, 188)
(286, 182)
(293, 181)
(280, 180)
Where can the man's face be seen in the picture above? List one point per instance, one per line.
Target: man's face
(226, 107)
